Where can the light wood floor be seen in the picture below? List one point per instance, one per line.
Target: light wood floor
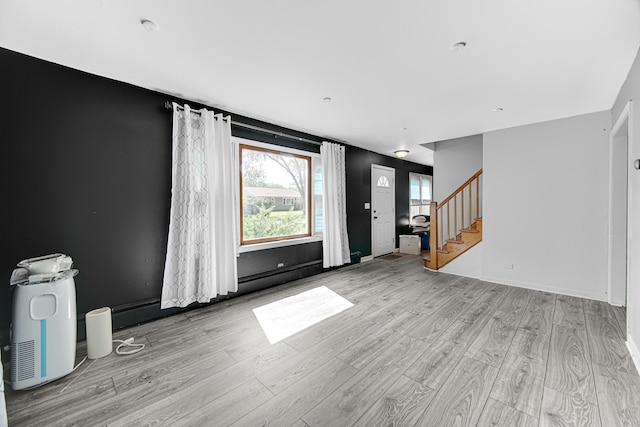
(418, 348)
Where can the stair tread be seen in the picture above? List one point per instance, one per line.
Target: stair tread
(469, 230)
(457, 242)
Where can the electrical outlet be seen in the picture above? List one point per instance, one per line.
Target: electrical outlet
(507, 266)
(280, 264)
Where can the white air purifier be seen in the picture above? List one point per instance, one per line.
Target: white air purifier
(43, 324)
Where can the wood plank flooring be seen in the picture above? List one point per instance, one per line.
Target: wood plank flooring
(417, 349)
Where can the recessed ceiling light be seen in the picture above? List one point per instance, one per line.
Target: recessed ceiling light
(326, 99)
(149, 25)
(459, 46)
(497, 109)
(401, 153)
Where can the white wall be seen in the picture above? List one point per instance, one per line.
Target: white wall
(631, 91)
(469, 264)
(455, 161)
(546, 205)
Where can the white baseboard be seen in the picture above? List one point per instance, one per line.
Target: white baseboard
(633, 350)
(538, 287)
(462, 274)
(618, 302)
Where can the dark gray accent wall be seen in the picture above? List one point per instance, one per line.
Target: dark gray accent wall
(86, 170)
(358, 165)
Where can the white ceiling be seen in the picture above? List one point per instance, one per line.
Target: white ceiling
(387, 65)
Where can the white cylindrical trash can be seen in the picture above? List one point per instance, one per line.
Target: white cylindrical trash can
(99, 333)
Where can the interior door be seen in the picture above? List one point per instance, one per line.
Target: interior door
(383, 210)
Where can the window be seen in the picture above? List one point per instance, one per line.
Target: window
(278, 193)
(383, 182)
(419, 194)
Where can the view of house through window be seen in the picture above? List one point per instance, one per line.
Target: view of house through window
(276, 195)
(420, 194)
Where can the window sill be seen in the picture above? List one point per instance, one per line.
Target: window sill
(278, 244)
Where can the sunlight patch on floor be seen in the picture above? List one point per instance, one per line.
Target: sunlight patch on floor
(283, 318)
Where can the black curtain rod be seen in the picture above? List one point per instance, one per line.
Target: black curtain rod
(169, 106)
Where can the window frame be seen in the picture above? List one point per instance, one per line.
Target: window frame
(420, 177)
(267, 243)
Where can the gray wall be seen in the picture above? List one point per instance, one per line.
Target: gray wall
(455, 161)
(546, 205)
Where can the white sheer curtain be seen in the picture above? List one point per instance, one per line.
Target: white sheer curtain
(201, 251)
(3, 407)
(335, 241)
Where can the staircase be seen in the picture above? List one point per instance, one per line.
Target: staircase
(456, 224)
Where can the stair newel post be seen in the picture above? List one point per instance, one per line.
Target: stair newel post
(440, 231)
(470, 207)
(433, 234)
